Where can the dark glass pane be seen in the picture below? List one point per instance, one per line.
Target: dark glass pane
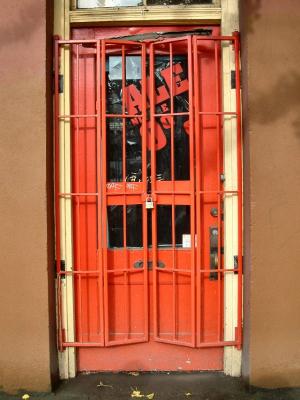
(181, 83)
(114, 147)
(114, 85)
(133, 102)
(181, 150)
(175, 2)
(162, 124)
(114, 74)
(180, 123)
(133, 153)
(134, 226)
(149, 227)
(164, 226)
(163, 154)
(115, 226)
(183, 226)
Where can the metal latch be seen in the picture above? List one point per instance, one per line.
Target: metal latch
(60, 83)
(140, 264)
(236, 263)
(62, 266)
(233, 79)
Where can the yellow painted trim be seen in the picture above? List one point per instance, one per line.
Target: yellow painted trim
(67, 358)
(232, 356)
(155, 14)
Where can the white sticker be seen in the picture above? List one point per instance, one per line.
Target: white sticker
(186, 240)
(133, 67)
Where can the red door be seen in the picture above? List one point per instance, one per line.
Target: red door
(147, 201)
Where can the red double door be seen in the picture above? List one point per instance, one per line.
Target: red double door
(147, 200)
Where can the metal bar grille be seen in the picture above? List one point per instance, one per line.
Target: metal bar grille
(98, 194)
(219, 191)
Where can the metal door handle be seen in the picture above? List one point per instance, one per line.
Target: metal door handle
(140, 264)
(213, 251)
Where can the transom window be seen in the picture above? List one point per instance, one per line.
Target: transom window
(81, 4)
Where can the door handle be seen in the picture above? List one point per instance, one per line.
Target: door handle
(140, 264)
(213, 251)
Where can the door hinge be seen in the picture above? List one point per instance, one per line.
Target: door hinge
(233, 79)
(60, 83)
(236, 263)
(62, 265)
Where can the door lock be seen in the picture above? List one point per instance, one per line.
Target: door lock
(213, 251)
(149, 203)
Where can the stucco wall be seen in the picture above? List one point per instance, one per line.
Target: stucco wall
(271, 83)
(271, 87)
(26, 306)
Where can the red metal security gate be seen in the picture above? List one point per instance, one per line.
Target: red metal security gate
(147, 202)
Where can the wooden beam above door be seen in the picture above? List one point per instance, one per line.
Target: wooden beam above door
(180, 14)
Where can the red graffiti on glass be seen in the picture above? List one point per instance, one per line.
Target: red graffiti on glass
(134, 101)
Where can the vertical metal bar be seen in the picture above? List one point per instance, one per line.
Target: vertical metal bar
(219, 158)
(198, 154)
(125, 250)
(174, 277)
(104, 191)
(173, 192)
(57, 189)
(153, 187)
(172, 117)
(57, 165)
(192, 178)
(127, 299)
(99, 189)
(144, 178)
(240, 188)
(123, 63)
(78, 200)
(125, 276)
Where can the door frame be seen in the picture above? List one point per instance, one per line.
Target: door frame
(224, 13)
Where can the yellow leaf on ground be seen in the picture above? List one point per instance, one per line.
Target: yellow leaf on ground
(133, 373)
(150, 396)
(136, 393)
(25, 396)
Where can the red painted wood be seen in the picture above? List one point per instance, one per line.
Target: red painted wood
(138, 306)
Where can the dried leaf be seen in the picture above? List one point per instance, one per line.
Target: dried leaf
(101, 384)
(188, 394)
(25, 396)
(136, 393)
(150, 396)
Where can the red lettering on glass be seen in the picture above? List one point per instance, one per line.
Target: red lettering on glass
(134, 101)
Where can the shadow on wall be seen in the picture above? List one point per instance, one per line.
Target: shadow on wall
(275, 103)
(253, 13)
(24, 20)
(283, 96)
